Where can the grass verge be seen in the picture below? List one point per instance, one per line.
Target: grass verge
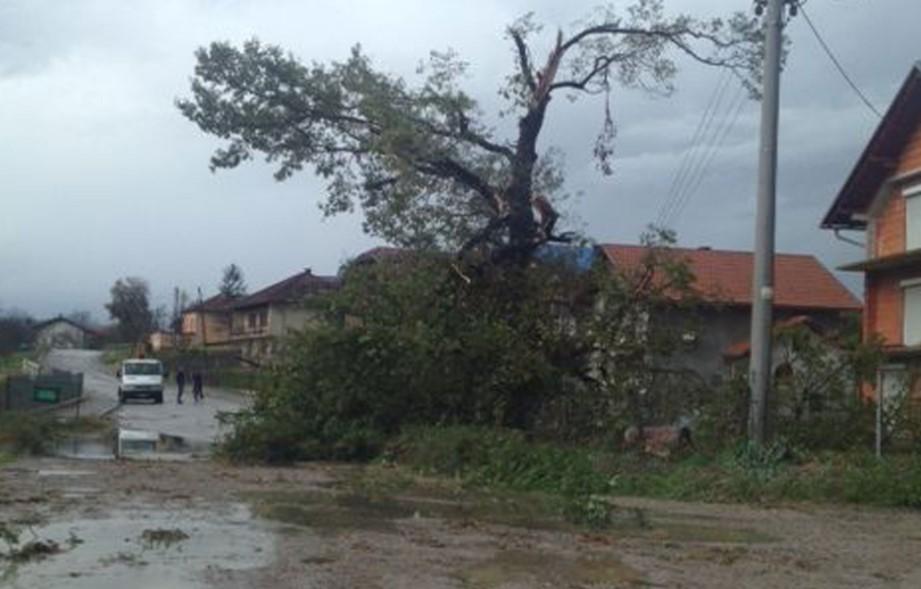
(583, 477)
(824, 477)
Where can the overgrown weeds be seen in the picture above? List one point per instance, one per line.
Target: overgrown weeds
(25, 433)
(775, 475)
(584, 480)
(504, 459)
(36, 434)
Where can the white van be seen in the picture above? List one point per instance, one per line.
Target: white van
(141, 378)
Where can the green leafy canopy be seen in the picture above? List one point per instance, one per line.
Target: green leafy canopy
(421, 159)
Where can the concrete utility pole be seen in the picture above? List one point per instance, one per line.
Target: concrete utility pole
(763, 283)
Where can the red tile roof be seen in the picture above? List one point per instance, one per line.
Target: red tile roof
(381, 252)
(800, 281)
(291, 289)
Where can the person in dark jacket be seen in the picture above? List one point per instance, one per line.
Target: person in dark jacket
(180, 384)
(198, 392)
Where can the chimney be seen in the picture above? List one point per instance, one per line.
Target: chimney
(308, 271)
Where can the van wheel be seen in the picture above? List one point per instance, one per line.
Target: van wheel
(159, 399)
(121, 397)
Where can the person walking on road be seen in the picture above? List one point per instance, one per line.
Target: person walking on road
(198, 392)
(180, 384)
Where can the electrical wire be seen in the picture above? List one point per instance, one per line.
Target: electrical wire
(692, 150)
(835, 61)
(690, 153)
(727, 123)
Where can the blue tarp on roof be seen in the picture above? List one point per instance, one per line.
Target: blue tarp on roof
(579, 257)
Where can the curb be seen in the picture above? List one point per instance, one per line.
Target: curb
(57, 406)
(110, 410)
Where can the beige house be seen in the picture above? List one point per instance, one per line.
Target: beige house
(207, 323)
(163, 340)
(253, 324)
(259, 320)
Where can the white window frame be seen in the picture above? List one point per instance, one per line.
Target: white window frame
(911, 321)
(912, 195)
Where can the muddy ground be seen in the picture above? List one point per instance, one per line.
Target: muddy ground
(204, 524)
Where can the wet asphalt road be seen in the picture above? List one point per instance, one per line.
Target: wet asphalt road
(197, 424)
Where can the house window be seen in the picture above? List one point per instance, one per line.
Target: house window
(911, 335)
(263, 318)
(251, 321)
(893, 381)
(190, 323)
(912, 217)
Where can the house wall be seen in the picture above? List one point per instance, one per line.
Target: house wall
(261, 341)
(160, 340)
(889, 230)
(189, 329)
(61, 334)
(715, 330)
(884, 296)
(286, 318)
(719, 328)
(251, 322)
(884, 304)
(910, 158)
(216, 328)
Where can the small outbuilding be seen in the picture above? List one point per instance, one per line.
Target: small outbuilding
(62, 332)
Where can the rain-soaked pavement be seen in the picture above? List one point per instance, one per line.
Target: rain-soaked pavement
(118, 545)
(195, 523)
(145, 549)
(195, 423)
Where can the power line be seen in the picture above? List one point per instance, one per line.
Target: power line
(690, 153)
(835, 61)
(719, 138)
(720, 134)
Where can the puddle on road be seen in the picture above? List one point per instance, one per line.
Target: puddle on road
(117, 551)
(96, 447)
(84, 448)
(63, 472)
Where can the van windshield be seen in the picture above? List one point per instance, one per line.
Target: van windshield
(141, 368)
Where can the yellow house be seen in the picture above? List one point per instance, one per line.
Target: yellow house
(254, 323)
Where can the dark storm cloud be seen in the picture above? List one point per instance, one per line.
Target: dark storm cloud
(103, 178)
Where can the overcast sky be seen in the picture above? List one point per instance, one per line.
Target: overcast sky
(101, 177)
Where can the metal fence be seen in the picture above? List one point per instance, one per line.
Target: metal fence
(27, 392)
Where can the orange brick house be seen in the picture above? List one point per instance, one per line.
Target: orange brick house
(882, 196)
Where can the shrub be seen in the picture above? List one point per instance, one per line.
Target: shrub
(27, 433)
(417, 342)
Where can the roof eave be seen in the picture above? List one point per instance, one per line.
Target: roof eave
(838, 215)
(910, 257)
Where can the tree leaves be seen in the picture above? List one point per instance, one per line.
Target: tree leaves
(130, 306)
(421, 160)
